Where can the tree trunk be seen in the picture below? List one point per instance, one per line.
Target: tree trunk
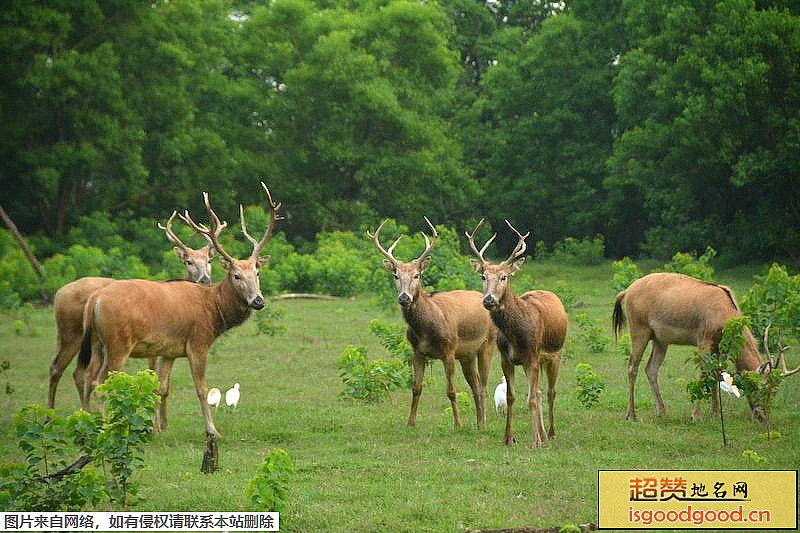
(37, 267)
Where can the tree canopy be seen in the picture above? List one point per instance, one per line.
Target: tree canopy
(660, 125)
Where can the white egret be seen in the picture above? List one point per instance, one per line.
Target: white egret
(232, 396)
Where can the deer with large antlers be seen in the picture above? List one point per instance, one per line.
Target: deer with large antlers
(531, 331)
(450, 326)
(70, 301)
(668, 308)
(139, 318)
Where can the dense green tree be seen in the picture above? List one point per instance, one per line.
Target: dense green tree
(708, 100)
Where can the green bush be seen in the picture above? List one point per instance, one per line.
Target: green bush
(267, 490)
(589, 385)
(18, 281)
(267, 320)
(774, 299)
(568, 295)
(370, 381)
(110, 446)
(584, 251)
(593, 335)
(691, 265)
(624, 272)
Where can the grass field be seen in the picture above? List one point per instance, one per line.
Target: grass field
(360, 468)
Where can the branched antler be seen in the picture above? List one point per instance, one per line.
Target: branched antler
(375, 240)
(273, 218)
(780, 361)
(212, 235)
(519, 249)
(471, 237)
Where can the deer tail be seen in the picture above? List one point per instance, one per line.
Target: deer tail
(85, 355)
(618, 316)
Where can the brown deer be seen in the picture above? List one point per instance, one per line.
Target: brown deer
(668, 308)
(137, 318)
(531, 330)
(70, 300)
(450, 326)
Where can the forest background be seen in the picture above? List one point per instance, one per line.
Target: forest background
(644, 127)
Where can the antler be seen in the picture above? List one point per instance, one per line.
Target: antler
(173, 238)
(519, 249)
(472, 245)
(773, 363)
(273, 218)
(381, 249)
(428, 244)
(212, 234)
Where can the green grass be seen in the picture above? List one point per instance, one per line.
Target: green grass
(359, 468)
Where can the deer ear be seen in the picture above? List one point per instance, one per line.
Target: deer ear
(227, 265)
(211, 252)
(425, 264)
(388, 265)
(263, 260)
(179, 253)
(476, 265)
(517, 264)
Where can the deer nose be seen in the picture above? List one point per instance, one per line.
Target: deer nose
(257, 303)
(489, 301)
(205, 280)
(404, 299)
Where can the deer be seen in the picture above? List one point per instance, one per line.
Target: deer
(668, 308)
(531, 330)
(70, 300)
(449, 325)
(138, 318)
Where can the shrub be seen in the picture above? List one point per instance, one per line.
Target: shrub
(774, 299)
(593, 335)
(18, 281)
(589, 385)
(110, 445)
(624, 272)
(691, 265)
(584, 251)
(268, 488)
(568, 296)
(370, 381)
(267, 320)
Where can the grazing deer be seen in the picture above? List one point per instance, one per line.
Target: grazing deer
(449, 326)
(530, 332)
(668, 308)
(137, 318)
(70, 300)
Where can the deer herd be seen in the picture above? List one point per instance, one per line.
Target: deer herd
(106, 321)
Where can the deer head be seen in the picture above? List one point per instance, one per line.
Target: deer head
(242, 273)
(407, 275)
(198, 262)
(496, 277)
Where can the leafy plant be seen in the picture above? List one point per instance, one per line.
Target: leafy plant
(774, 299)
(593, 335)
(268, 488)
(691, 265)
(568, 295)
(589, 385)
(753, 456)
(586, 251)
(393, 338)
(109, 445)
(267, 320)
(624, 272)
(464, 402)
(4, 367)
(370, 381)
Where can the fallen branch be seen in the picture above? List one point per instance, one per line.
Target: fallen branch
(304, 296)
(71, 469)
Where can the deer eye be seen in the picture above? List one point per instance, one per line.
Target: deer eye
(396, 276)
(188, 263)
(237, 276)
(416, 276)
(503, 278)
(483, 277)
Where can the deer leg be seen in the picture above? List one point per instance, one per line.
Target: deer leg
(508, 373)
(470, 370)
(90, 376)
(197, 365)
(164, 371)
(534, 403)
(552, 366)
(418, 364)
(449, 363)
(638, 344)
(68, 346)
(484, 366)
(657, 355)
